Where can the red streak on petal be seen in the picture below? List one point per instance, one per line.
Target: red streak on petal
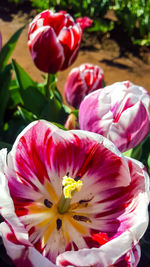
(65, 262)
(126, 106)
(40, 168)
(101, 238)
(91, 243)
(12, 238)
(49, 147)
(87, 162)
(20, 211)
(38, 246)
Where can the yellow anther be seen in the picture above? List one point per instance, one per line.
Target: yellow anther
(70, 186)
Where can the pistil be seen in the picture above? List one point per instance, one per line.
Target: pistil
(70, 186)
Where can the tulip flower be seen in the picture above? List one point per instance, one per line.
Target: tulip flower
(118, 112)
(81, 81)
(54, 40)
(70, 198)
(84, 22)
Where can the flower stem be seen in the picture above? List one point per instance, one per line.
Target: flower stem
(48, 86)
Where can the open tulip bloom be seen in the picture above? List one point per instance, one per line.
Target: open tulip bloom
(81, 81)
(54, 40)
(70, 198)
(119, 112)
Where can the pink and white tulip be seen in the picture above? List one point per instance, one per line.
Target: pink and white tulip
(119, 112)
(81, 81)
(54, 40)
(101, 222)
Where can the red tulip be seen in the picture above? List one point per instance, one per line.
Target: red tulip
(54, 40)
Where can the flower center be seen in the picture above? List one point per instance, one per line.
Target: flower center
(70, 186)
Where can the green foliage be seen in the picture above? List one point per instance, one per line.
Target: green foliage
(5, 78)
(102, 26)
(8, 48)
(134, 16)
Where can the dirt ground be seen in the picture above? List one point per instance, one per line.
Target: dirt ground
(107, 55)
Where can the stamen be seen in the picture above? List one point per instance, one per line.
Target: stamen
(81, 218)
(48, 203)
(82, 201)
(77, 178)
(70, 186)
(59, 224)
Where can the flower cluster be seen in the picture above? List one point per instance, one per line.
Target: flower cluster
(71, 198)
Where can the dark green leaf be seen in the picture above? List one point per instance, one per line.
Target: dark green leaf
(137, 152)
(33, 99)
(15, 97)
(51, 111)
(8, 48)
(5, 77)
(5, 145)
(26, 115)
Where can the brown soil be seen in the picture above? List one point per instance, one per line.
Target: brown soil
(108, 54)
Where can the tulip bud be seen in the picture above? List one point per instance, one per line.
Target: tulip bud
(118, 112)
(81, 81)
(84, 22)
(54, 40)
(71, 122)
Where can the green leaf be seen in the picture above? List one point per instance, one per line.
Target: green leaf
(5, 145)
(102, 26)
(50, 109)
(128, 153)
(15, 97)
(5, 77)
(8, 48)
(26, 115)
(75, 112)
(12, 128)
(33, 99)
(60, 126)
(145, 151)
(137, 152)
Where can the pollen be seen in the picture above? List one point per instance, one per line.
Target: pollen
(70, 186)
